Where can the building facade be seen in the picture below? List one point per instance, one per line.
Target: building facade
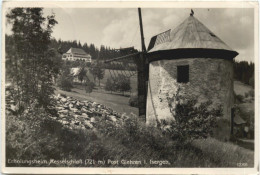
(74, 54)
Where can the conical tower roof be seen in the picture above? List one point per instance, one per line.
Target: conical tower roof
(190, 34)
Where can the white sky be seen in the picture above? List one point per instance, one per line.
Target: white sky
(117, 27)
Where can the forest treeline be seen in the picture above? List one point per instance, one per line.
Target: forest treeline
(243, 70)
(102, 53)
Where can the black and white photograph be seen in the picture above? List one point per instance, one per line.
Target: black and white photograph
(129, 85)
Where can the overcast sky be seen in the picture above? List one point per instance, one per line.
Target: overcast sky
(120, 27)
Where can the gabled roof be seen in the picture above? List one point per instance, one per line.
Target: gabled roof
(77, 51)
(191, 33)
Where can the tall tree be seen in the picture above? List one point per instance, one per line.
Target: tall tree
(97, 71)
(31, 61)
(82, 74)
(79, 45)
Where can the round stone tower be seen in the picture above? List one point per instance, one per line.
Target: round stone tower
(192, 57)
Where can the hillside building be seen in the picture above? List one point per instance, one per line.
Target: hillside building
(74, 54)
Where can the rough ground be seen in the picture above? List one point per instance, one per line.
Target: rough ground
(74, 113)
(84, 114)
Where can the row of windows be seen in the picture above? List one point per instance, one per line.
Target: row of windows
(81, 59)
(76, 58)
(66, 56)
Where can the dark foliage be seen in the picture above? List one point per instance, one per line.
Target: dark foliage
(239, 98)
(31, 63)
(109, 85)
(82, 74)
(65, 80)
(120, 83)
(244, 72)
(193, 120)
(89, 86)
(97, 71)
(133, 101)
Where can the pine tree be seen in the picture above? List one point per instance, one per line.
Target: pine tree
(31, 61)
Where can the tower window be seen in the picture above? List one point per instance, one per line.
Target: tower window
(183, 74)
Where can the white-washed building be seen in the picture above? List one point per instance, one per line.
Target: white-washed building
(74, 54)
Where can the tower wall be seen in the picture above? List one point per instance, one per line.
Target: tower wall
(209, 79)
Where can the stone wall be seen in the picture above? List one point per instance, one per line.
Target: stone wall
(209, 79)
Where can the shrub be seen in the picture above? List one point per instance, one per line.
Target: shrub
(65, 83)
(192, 120)
(246, 94)
(133, 101)
(239, 98)
(65, 79)
(82, 74)
(252, 81)
(133, 133)
(25, 139)
(251, 93)
(121, 83)
(89, 86)
(124, 83)
(63, 95)
(109, 85)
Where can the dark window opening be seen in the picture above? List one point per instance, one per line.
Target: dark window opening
(183, 74)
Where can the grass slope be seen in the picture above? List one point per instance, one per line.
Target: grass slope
(117, 102)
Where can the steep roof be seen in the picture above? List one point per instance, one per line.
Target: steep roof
(77, 51)
(191, 33)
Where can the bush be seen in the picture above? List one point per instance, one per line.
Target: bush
(89, 86)
(133, 101)
(109, 85)
(34, 135)
(192, 120)
(122, 83)
(239, 98)
(251, 93)
(65, 80)
(133, 133)
(65, 83)
(26, 139)
(252, 81)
